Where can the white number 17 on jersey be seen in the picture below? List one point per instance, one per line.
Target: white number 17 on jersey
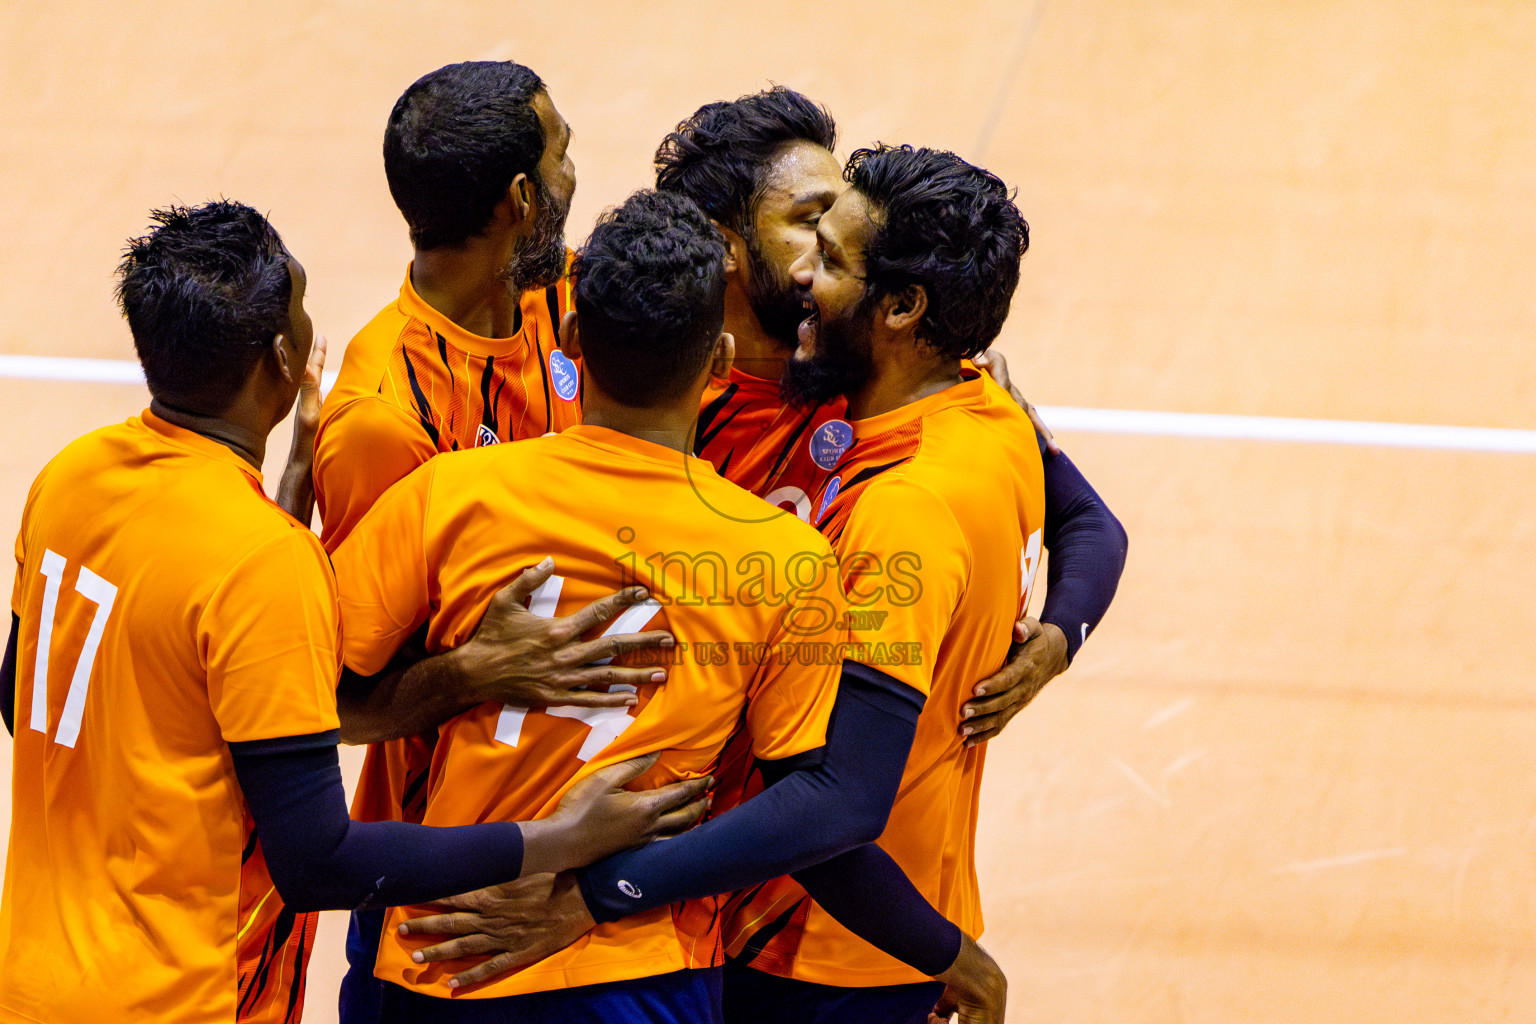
(102, 594)
(604, 724)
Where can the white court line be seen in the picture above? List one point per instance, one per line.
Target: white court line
(95, 371)
(1277, 428)
(1059, 417)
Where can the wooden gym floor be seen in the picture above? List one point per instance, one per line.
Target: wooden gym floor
(1290, 779)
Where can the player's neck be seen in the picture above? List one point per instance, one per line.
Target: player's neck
(757, 354)
(466, 286)
(902, 382)
(240, 437)
(671, 426)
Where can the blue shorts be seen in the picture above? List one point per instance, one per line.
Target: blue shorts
(754, 997)
(683, 997)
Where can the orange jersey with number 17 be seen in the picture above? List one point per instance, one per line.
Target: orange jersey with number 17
(755, 606)
(935, 511)
(167, 609)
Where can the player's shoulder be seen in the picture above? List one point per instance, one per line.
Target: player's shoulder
(365, 415)
(968, 442)
(366, 359)
(923, 502)
(465, 469)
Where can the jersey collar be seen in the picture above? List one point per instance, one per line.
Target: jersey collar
(413, 305)
(627, 444)
(181, 437)
(967, 392)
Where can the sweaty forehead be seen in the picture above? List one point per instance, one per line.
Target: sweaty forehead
(803, 171)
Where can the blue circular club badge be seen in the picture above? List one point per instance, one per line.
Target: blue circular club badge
(829, 441)
(562, 372)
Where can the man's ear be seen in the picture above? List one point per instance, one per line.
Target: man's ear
(519, 201)
(286, 355)
(904, 309)
(725, 354)
(735, 249)
(570, 337)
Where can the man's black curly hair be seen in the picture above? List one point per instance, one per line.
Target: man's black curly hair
(456, 139)
(650, 297)
(204, 293)
(719, 157)
(946, 225)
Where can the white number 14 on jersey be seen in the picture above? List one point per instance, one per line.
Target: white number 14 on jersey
(604, 724)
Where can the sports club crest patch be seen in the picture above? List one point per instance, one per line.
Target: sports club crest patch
(484, 436)
(562, 372)
(829, 441)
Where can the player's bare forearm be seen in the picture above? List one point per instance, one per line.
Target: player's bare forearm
(1038, 655)
(296, 490)
(414, 694)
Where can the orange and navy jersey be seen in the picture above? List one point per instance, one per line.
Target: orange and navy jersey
(414, 384)
(782, 453)
(756, 441)
(756, 608)
(167, 609)
(935, 511)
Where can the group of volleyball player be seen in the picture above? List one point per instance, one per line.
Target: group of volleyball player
(677, 586)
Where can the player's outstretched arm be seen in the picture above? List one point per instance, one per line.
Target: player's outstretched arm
(514, 657)
(812, 810)
(320, 859)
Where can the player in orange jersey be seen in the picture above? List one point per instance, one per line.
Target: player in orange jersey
(467, 355)
(936, 508)
(762, 167)
(433, 551)
(177, 808)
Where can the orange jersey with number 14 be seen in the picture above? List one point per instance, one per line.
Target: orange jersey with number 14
(167, 609)
(755, 606)
(935, 511)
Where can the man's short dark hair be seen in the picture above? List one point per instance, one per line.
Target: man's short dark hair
(204, 294)
(650, 297)
(720, 156)
(456, 139)
(946, 225)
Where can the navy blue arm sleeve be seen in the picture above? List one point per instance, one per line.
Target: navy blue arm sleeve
(866, 892)
(8, 678)
(320, 859)
(1087, 546)
(806, 815)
